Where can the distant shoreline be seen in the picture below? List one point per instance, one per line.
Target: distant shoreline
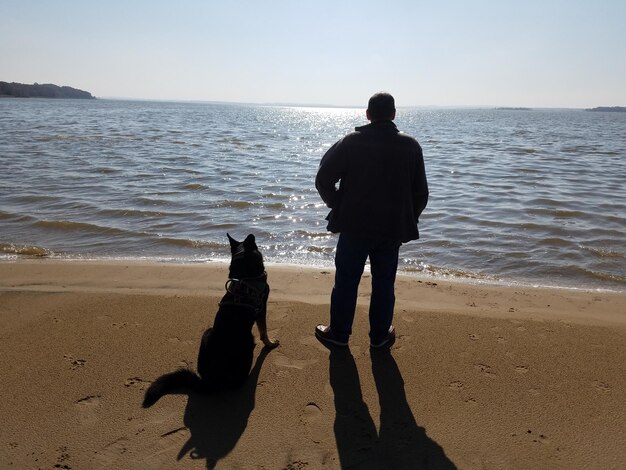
(608, 109)
(47, 90)
(505, 108)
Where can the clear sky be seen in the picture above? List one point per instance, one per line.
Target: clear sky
(546, 53)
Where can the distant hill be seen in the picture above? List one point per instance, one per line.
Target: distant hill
(608, 109)
(47, 90)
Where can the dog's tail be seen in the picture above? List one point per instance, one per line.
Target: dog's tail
(180, 381)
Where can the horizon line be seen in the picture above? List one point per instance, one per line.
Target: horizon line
(347, 106)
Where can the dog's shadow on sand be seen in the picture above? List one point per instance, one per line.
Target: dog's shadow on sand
(216, 422)
(400, 443)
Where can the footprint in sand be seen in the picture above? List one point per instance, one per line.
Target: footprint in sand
(457, 385)
(283, 361)
(542, 438)
(88, 408)
(484, 369)
(74, 363)
(311, 340)
(109, 454)
(602, 386)
(518, 325)
(137, 382)
(62, 459)
(308, 340)
(277, 315)
(297, 465)
(177, 340)
(401, 340)
(311, 418)
(163, 451)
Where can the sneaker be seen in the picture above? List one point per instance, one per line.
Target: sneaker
(323, 334)
(387, 340)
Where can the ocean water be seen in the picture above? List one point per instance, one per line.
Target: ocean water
(523, 197)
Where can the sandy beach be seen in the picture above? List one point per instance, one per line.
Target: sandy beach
(480, 377)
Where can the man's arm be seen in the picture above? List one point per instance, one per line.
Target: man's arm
(329, 173)
(420, 185)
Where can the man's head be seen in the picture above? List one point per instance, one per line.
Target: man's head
(381, 107)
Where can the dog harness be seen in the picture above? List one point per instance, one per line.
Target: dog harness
(249, 292)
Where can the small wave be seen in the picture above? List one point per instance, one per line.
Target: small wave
(558, 213)
(134, 213)
(543, 201)
(35, 198)
(70, 226)
(274, 205)
(147, 201)
(235, 204)
(195, 186)
(106, 170)
(310, 234)
(555, 241)
(15, 217)
(53, 137)
(577, 149)
(605, 253)
(185, 242)
(604, 276)
(441, 272)
(24, 250)
(611, 277)
(233, 141)
(521, 150)
(320, 249)
(246, 204)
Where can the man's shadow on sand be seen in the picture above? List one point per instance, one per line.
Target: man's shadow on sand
(400, 443)
(216, 422)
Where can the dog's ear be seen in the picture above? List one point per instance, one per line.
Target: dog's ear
(249, 243)
(233, 243)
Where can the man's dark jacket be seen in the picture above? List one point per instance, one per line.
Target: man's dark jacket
(383, 188)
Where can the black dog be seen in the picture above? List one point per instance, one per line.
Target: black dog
(226, 349)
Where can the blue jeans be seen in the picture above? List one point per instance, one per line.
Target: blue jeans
(352, 252)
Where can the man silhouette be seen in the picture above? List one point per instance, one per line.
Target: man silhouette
(382, 192)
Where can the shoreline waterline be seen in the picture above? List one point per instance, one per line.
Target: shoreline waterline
(411, 275)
